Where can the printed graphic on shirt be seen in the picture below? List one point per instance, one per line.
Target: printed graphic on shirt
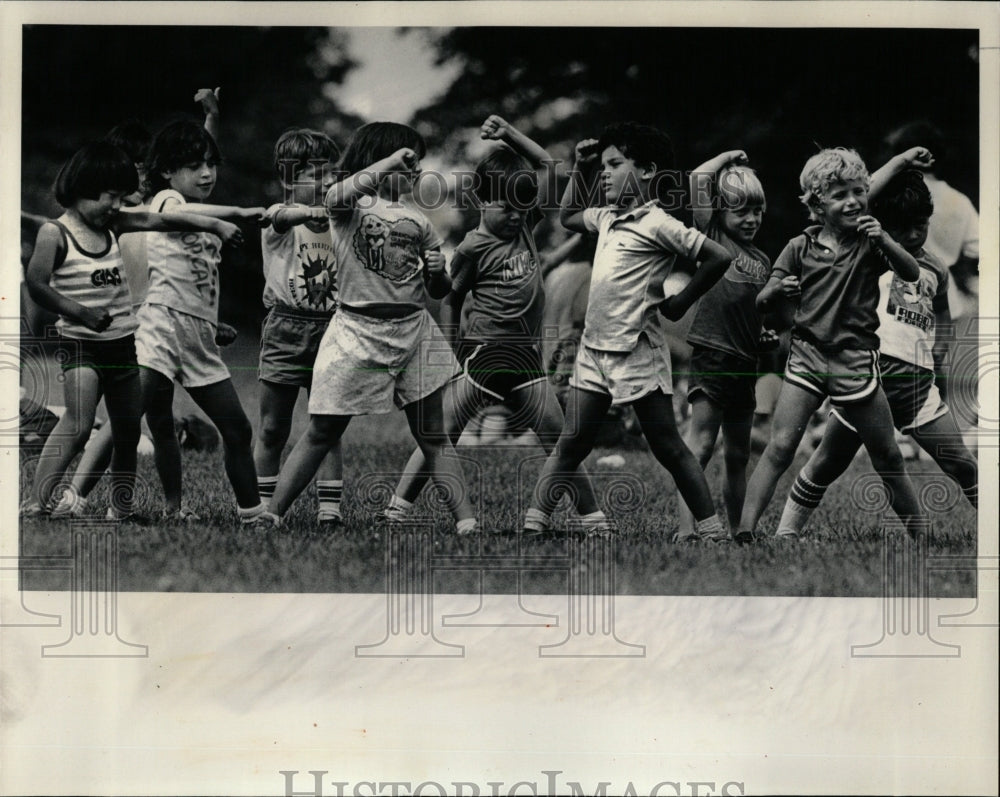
(105, 276)
(317, 282)
(747, 269)
(517, 266)
(391, 249)
(204, 272)
(913, 302)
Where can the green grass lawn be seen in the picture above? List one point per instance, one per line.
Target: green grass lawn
(842, 555)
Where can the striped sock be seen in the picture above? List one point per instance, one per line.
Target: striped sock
(265, 486)
(535, 520)
(398, 508)
(710, 528)
(802, 500)
(972, 493)
(595, 521)
(329, 494)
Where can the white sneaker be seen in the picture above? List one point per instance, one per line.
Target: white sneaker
(70, 505)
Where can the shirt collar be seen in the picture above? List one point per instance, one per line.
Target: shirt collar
(637, 212)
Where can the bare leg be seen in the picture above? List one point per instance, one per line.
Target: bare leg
(323, 432)
(943, 441)
(706, 417)
(158, 403)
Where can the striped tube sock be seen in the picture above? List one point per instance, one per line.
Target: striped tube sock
(595, 521)
(398, 508)
(329, 494)
(265, 486)
(710, 528)
(535, 520)
(972, 493)
(802, 500)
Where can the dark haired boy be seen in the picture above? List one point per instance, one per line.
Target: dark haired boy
(623, 357)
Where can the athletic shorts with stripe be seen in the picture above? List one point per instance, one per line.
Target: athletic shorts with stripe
(498, 368)
(845, 376)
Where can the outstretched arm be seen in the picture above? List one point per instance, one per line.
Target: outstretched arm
(284, 218)
(177, 221)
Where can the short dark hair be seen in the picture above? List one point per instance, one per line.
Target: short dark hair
(300, 146)
(505, 176)
(904, 200)
(645, 145)
(377, 140)
(93, 169)
(133, 137)
(921, 133)
(181, 142)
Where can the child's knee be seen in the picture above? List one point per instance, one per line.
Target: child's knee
(702, 446)
(737, 456)
(274, 431)
(236, 433)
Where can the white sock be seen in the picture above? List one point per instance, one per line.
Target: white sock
(466, 526)
(248, 514)
(803, 499)
(329, 494)
(710, 528)
(398, 508)
(535, 520)
(595, 521)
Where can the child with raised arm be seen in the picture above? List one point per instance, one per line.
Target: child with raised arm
(178, 323)
(623, 357)
(76, 271)
(835, 267)
(300, 294)
(378, 351)
(499, 355)
(908, 359)
(726, 334)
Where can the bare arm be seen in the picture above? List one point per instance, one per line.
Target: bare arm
(209, 100)
(343, 195)
(701, 181)
(572, 205)
(915, 158)
(556, 257)
(451, 314)
(49, 247)
(284, 218)
(713, 260)
(898, 259)
(177, 221)
(436, 279)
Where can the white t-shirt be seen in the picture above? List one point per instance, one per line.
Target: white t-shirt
(379, 248)
(300, 268)
(906, 311)
(635, 253)
(183, 266)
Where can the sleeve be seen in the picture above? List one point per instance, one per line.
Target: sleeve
(679, 238)
(463, 272)
(592, 218)
(788, 263)
(970, 241)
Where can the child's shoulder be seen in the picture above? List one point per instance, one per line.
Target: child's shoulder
(164, 198)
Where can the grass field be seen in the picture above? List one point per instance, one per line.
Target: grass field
(840, 556)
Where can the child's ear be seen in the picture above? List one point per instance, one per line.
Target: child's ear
(647, 172)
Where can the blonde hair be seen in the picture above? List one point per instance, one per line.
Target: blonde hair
(826, 167)
(738, 186)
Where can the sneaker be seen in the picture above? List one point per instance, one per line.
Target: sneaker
(32, 509)
(265, 521)
(70, 505)
(182, 515)
(747, 537)
(786, 534)
(130, 517)
(330, 522)
(394, 515)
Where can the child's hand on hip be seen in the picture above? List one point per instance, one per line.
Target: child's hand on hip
(95, 320)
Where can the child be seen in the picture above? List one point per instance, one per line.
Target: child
(908, 313)
(726, 333)
(623, 357)
(834, 267)
(178, 321)
(76, 271)
(499, 357)
(378, 349)
(300, 295)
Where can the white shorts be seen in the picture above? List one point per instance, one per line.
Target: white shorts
(182, 347)
(625, 376)
(368, 366)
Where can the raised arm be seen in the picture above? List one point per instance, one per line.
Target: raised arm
(898, 259)
(713, 260)
(209, 100)
(572, 205)
(343, 195)
(914, 158)
(703, 178)
(50, 248)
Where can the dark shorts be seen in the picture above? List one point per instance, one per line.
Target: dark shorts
(498, 367)
(113, 360)
(845, 376)
(289, 341)
(724, 378)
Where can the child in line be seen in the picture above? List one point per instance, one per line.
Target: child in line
(499, 355)
(300, 294)
(726, 334)
(379, 349)
(908, 314)
(176, 340)
(623, 357)
(834, 267)
(76, 271)
(133, 137)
